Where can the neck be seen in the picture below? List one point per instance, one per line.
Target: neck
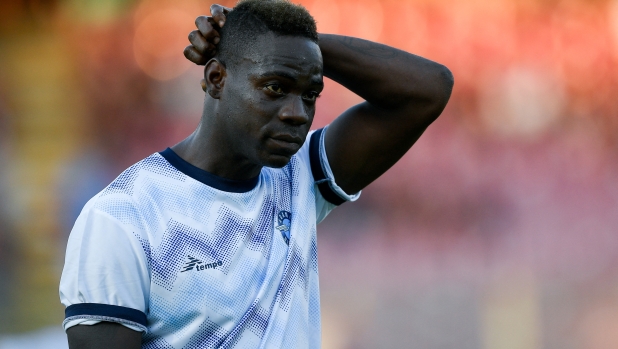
(209, 148)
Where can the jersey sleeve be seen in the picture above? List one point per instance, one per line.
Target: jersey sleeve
(329, 195)
(106, 275)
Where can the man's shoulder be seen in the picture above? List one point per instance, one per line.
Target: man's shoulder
(131, 192)
(145, 171)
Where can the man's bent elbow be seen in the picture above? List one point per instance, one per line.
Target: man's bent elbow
(444, 87)
(424, 100)
(440, 93)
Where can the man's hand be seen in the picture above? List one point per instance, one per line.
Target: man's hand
(204, 40)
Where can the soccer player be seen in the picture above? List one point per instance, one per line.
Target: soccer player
(212, 243)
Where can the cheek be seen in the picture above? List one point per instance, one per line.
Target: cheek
(239, 108)
(249, 118)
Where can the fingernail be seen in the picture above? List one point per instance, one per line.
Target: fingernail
(216, 41)
(221, 24)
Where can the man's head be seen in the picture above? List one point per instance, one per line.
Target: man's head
(252, 18)
(264, 81)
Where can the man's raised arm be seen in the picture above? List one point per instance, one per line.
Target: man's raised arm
(403, 95)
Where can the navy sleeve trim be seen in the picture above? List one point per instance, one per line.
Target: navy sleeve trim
(95, 310)
(318, 173)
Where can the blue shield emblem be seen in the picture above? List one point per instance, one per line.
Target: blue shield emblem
(284, 222)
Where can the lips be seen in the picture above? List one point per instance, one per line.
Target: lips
(285, 143)
(288, 138)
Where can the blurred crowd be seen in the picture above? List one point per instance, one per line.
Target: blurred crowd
(499, 229)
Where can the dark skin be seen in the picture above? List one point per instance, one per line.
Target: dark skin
(257, 113)
(104, 335)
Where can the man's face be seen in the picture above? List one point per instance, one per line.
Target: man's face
(269, 98)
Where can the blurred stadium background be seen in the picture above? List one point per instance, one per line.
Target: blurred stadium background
(498, 230)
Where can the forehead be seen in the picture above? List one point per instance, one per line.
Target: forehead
(290, 53)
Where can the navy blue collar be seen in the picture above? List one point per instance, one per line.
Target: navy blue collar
(208, 178)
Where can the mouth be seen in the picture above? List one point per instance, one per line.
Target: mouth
(286, 144)
(284, 137)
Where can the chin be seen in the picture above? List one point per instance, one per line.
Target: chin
(276, 161)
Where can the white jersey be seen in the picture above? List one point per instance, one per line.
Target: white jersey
(198, 261)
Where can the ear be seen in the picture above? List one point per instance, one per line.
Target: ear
(214, 78)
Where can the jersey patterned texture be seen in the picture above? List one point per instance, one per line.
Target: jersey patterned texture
(198, 261)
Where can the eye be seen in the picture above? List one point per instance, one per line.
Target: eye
(274, 88)
(311, 96)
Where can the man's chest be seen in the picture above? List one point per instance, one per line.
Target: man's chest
(216, 271)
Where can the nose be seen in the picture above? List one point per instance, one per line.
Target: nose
(294, 111)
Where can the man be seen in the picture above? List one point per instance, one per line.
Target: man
(212, 243)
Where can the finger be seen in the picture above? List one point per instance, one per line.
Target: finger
(194, 56)
(206, 27)
(200, 43)
(219, 13)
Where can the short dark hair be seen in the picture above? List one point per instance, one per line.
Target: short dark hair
(251, 18)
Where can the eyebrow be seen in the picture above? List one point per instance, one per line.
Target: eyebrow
(287, 75)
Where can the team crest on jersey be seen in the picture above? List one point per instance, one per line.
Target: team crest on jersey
(199, 265)
(284, 222)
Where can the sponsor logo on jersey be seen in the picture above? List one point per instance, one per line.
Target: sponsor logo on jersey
(284, 221)
(198, 265)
